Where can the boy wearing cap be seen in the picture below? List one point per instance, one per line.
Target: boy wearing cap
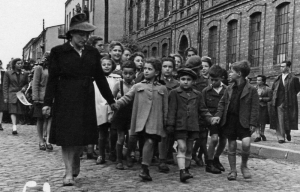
(238, 116)
(212, 95)
(185, 106)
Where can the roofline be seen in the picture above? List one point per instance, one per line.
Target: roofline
(67, 2)
(31, 40)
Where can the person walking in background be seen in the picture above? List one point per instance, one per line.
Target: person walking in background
(40, 79)
(126, 54)
(265, 96)
(70, 97)
(285, 103)
(3, 106)
(14, 81)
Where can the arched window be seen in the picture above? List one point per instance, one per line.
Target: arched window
(154, 52)
(254, 39)
(232, 28)
(281, 33)
(212, 43)
(181, 5)
(147, 12)
(145, 53)
(156, 10)
(164, 50)
(139, 9)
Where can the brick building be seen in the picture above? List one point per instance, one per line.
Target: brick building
(263, 31)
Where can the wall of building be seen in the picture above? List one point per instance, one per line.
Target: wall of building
(51, 38)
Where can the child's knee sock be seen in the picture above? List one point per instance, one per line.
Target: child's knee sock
(181, 161)
(245, 156)
(148, 152)
(119, 153)
(232, 160)
(188, 161)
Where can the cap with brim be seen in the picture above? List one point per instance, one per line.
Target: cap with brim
(80, 23)
(187, 71)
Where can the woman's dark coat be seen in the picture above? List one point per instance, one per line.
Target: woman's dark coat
(71, 95)
(292, 88)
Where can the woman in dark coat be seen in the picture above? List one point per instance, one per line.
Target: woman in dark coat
(265, 96)
(14, 81)
(70, 95)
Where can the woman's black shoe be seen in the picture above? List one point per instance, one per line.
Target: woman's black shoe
(263, 137)
(42, 146)
(184, 175)
(49, 146)
(15, 133)
(257, 139)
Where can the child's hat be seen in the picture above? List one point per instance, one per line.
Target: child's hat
(194, 62)
(187, 71)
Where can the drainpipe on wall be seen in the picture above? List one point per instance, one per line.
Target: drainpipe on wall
(200, 27)
(106, 21)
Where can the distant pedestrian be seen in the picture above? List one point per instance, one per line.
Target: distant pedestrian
(14, 81)
(189, 52)
(70, 97)
(265, 96)
(3, 106)
(238, 111)
(40, 79)
(185, 106)
(126, 54)
(285, 103)
(149, 115)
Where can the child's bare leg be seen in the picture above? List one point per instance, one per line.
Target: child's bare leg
(232, 159)
(246, 143)
(188, 153)
(181, 154)
(210, 167)
(120, 142)
(147, 157)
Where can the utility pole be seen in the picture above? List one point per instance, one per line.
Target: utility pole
(200, 27)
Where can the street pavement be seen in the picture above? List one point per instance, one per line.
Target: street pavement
(22, 161)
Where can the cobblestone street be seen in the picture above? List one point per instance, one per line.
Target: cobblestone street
(22, 161)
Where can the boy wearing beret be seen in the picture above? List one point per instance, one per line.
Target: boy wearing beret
(185, 106)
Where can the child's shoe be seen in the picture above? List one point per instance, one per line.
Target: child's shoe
(188, 172)
(120, 166)
(210, 168)
(198, 161)
(100, 160)
(163, 167)
(246, 172)
(184, 175)
(217, 164)
(145, 175)
(232, 175)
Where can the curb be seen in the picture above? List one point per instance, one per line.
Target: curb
(270, 152)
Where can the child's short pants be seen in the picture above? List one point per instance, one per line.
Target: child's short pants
(192, 135)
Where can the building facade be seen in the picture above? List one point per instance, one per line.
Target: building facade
(96, 12)
(265, 32)
(36, 47)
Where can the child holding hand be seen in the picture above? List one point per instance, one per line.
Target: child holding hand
(149, 113)
(185, 106)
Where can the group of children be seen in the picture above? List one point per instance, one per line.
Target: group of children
(159, 101)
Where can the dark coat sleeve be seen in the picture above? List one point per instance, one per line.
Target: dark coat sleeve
(269, 95)
(296, 85)
(172, 108)
(102, 82)
(5, 85)
(53, 77)
(221, 105)
(203, 111)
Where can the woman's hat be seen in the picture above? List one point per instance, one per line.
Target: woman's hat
(79, 23)
(194, 62)
(187, 71)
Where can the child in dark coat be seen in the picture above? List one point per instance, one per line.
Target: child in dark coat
(238, 115)
(212, 95)
(185, 106)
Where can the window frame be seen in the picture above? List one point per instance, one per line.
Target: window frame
(213, 43)
(255, 30)
(232, 42)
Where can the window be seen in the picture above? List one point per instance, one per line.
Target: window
(147, 13)
(231, 42)
(67, 23)
(212, 43)
(281, 33)
(156, 10)
(188, 2)
(145, 53)
(164, 51)
(154, 51)
(254, 39)
(91, 6)
(139, 7)
(131, 16)
(181, 5)
(166, 8)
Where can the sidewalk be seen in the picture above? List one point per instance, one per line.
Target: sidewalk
(290, 150)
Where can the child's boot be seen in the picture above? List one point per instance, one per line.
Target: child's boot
(184, 175)
(217, 164)
(131, 148)
(188, 165)
(119, 157)
(101, 157)
(211, 168)
(163, 167)
(244, 169)
(145, 175)
(232, 162)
